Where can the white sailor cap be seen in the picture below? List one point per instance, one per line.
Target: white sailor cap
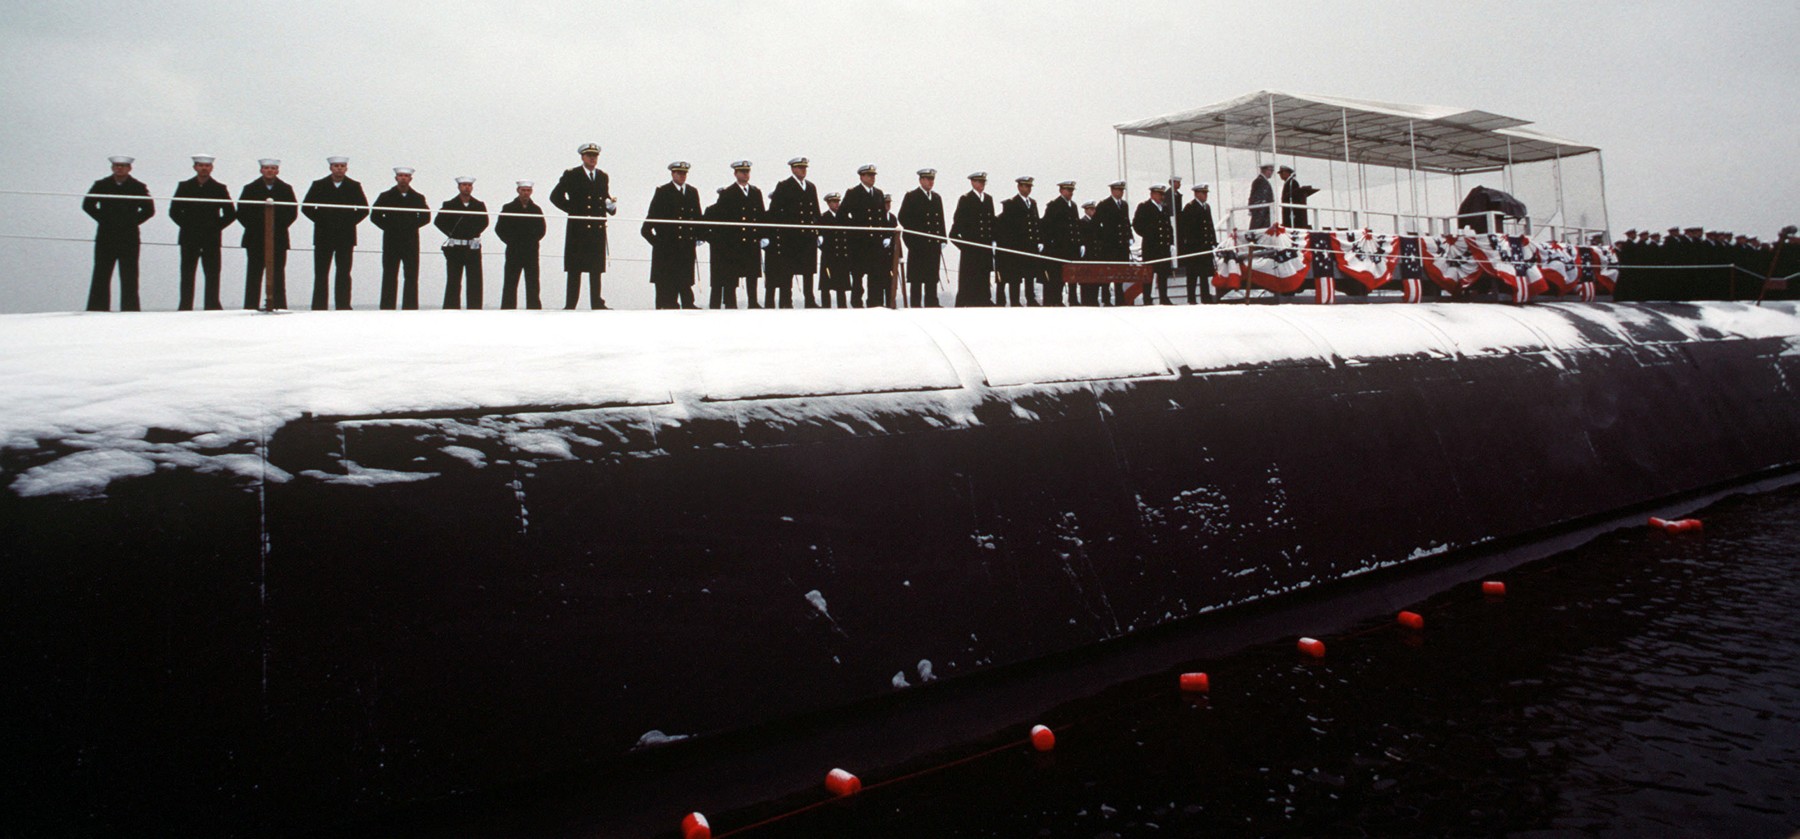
(832, 196)
(204, 158)
(1116, 185)
(1174, 179)
(927, 173)
(589, 148)
(465, 179)
(977, 176)
(121, 160)
(1065, 184)
(336, 159)
(866, 169)
(1265, 166)
(268, 161)
(1025, 179)
(1159, 187)
(524, 184)
(739, 165)
(403, 170)
(680, 166)
(1202, 187)
(799, 161)
(1088, 205)
(1286, 168)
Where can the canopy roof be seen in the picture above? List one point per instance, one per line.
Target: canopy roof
(1448, 140)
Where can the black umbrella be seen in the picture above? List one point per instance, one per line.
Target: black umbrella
(1481, 201)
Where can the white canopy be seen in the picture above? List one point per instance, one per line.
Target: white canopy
(1428, 138)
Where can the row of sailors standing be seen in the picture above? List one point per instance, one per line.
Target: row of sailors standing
(336, 204)
(789, 237)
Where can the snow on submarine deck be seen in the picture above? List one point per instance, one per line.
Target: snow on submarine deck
(351, 559)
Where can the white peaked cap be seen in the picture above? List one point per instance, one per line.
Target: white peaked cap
(800, 161)
(866, 169)
(465, 180)
(121, 159)
(204, 158)
(336, 159)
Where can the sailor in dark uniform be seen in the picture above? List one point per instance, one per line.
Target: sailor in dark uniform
(972, 228)
(672, 245)
(1112, 237)
(1018, 228)
(1151, 221)
(1062, 240)
(1198, 238)
(792, 250)
(521, 226)
(399, 212)
(736, 248)
(462, 220)
(863, 207)
(201, 222)
(834, 254)
(922, 211)
(269, 187)
(1262, 197)
(584, 193)
(116, 240)
(334, 230)
(1088, 294)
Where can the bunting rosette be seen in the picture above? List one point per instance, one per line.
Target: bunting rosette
(1276, 264)
(1449, 262)
(1556, 263)
(1365, 257)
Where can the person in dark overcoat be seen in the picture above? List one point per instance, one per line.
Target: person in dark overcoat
(834, 254)
(521, 227)
(462, 220)
(672, 245)
(736, 248)
(922, 212)
(250, 207)
(1198, 238)
(1062, 240)
(972, 229)
(1112, 237)
(792, 250)
(1151, 221)
(1019, 228)
(334, 230)
(1293, 198)
(1262, 197)
(202, 223)
(113, 202)
(586, 195)
(1089, 294)
(399, 212)
(865, 206)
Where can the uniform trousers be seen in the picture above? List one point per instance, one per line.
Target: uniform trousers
(106, 255)
(323, 257)
(205, 257)
(458, 262)
(520, 262)
(393, 262)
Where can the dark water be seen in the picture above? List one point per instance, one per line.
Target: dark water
(1642, 685)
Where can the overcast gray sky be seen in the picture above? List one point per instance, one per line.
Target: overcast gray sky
(1689, 102)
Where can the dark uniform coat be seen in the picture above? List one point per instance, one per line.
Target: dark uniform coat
(400, 215)
(1152, 225)
(866, 206)
(1062, 229)
(834, 252)
(332, 226)
(584, 248)
(466, 222)
(736, 249)
(1019, 228)
(1261, 192)
(201, 222)
(1197, 236)
(972, 228)
(521, 226)
(250, 212)
(118, 218)
(1112, 230)
(672, 245)
(922, 212)
(793, 250)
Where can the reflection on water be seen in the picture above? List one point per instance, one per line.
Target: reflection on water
(1643, 685)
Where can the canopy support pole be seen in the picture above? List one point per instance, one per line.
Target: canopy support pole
(1605, 214)
(1412, 186)
(1274, 150)
(1349, 195)
(1557, 168)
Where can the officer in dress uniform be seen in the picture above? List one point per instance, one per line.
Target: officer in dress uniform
(269, 187)
(521, 226)
(972, 228)
(1152, 225)
(584, 191)
(922, 211)
(672, 245)
(1089, 293)
(462, 220)
(400, 211)
(1198, 238)
(1018, 228)
(892, 251)
(793, 250)
(1062, 240)
(834, 254)
(202, 222)
(1112, 238)
(1262, 197)
(736, 248)
(334, 229)
(116, 240)
(864, 206)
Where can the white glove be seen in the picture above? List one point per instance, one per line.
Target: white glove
(611, 207)
(821, 241)
(1040, 248)
(765, 244)
(887, 243)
